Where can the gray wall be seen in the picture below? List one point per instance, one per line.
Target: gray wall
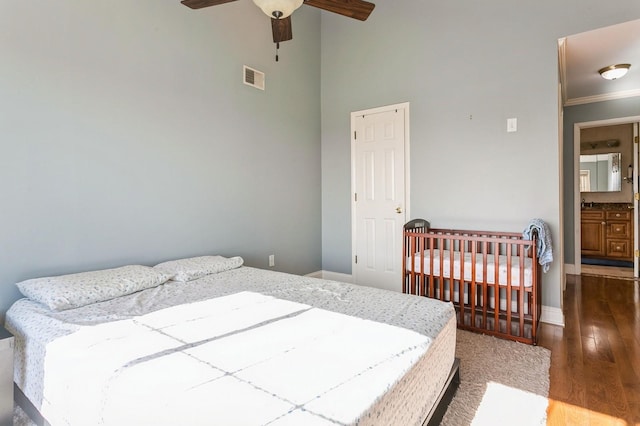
(465, 67)
(127, 136)
(629, 107)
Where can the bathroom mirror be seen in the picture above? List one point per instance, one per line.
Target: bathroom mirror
(600, 172)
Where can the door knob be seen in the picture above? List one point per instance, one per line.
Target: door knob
(398, 209)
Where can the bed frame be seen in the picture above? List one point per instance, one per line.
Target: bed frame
(516, 313)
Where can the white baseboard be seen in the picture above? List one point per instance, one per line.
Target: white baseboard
(569, 269)
(334, 276)
(316, 274)
(552, 315)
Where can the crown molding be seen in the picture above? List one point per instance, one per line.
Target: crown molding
(604, 97)
(562, 68)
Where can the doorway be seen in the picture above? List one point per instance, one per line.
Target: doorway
(623, 259)
(380, 194)
(588, 100)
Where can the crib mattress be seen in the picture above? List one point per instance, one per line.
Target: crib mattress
(462, 267)
(244, 346)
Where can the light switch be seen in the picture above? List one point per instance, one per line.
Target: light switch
(512, 124)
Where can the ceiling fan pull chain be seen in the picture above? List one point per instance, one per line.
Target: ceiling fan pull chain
(277, 47)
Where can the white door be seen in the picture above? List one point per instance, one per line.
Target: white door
(378, 204)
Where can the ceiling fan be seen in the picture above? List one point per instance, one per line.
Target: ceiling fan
(280, 12)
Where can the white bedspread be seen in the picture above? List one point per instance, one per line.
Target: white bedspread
(242, 347)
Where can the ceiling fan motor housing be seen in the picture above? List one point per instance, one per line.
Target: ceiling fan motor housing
(278, 9)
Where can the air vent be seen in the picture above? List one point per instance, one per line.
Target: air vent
(253, 78)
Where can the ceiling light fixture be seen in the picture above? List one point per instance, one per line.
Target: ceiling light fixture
(613, 72)
(278, 9)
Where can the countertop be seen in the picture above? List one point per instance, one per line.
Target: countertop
(607, 206)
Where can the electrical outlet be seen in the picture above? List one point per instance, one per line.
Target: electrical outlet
(272, 260)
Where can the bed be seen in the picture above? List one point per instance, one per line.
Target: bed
(208, 340)
(492, 278)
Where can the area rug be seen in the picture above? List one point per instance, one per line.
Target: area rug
(501, 383)
(607, 262)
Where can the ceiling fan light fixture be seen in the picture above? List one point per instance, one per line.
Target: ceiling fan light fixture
(613, 72)
(278, 9)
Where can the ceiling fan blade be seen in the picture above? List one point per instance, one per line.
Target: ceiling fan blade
(199, 4)
(356, 9)
(281, 29)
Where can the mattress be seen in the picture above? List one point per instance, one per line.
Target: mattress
(240, 347)
(464, 268)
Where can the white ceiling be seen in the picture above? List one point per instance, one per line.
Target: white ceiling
(582, 55)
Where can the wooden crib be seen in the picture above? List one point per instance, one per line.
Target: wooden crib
(469, 268)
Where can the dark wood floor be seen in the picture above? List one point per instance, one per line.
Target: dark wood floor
(595, 358)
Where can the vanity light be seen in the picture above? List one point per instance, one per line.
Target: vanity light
(610, 143)
(613, 72)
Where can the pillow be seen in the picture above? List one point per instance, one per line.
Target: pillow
(72, 291)
(193, 268)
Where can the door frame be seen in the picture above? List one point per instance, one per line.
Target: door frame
(407, 206)
(576, 181)
(636, 205)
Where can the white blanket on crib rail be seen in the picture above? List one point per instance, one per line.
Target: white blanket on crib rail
(464, 269)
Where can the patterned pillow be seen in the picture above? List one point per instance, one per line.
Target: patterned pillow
(197, 267)
(72, 291)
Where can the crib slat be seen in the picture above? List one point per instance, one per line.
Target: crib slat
(412, 241)
(522, 288)
(440, 257)
(432, 277)
(485, 295)
(509, 297)
(471, 284)
(496, 288)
